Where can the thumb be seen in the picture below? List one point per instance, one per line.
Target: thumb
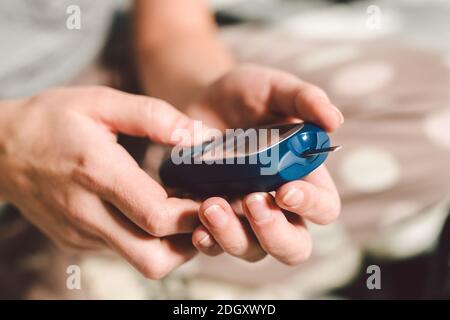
(147, 117)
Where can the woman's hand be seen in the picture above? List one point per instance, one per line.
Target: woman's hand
(269, 224)
(61, 165)
(251, 96)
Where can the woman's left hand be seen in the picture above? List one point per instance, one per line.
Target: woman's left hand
(250, 96)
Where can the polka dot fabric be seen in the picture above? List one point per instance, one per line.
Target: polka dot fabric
(394, 164)
(396, 136)
(395, 142)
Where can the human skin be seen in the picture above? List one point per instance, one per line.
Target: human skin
(61, 166)
(187, 55)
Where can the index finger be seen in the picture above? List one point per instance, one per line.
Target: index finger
(142, 116)
(118, 180)
(152, 256)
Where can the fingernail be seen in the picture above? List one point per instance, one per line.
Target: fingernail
(339, 113)
(256, 204)
(293, 197)
(216, 216)
(206, 241)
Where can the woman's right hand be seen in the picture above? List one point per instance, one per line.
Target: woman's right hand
(61, 165)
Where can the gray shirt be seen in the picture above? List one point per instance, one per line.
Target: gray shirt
(38, 49)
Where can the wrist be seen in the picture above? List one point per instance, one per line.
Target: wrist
(177, 71)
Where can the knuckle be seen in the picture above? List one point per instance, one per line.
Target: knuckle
(74, 207)
(300, 256)
(154, 267)
(236, 249)
(84, 220)
(256, 102)
(312, 90)
(86, 168)
(311, 93)
(154, 272)
(78, 216)
(156, 224)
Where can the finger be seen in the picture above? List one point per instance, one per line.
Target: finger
(125, 185)
(229, 231)
(288, 242)
(144, 116)
(303, 100)
(314, 198)
(153, 257)
(204, 242)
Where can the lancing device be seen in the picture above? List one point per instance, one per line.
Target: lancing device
(246, 161)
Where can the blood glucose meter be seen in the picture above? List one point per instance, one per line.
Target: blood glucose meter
(245, 161)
